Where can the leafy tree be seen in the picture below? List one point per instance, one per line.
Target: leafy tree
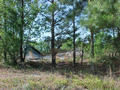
(73, 15)
(53, 16)
(100, 15)
(17, 17)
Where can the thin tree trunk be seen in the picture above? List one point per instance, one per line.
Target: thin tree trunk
(21, 31)
(5, 55)
(92, 40)
(118, 34)
(115, 42)
(74, 50)
(82, 55)
(5, 31)
(74, 37)
(92, 44)
(14, 60)
(92, 47)
(92, 51)
(14, 54)
(53, 39)
(118, 38)
(113, 33)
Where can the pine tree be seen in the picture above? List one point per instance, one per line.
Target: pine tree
(74, 14)
(53, 16)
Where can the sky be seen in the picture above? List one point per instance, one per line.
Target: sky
(83, 32)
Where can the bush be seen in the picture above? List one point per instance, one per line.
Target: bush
(34, 86)
(109, 61)
(94, 83)
(61, 83)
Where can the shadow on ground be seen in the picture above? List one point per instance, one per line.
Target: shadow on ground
(67, 68)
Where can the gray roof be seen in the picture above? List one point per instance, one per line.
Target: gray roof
(31, 53)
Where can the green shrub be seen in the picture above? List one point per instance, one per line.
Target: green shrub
(106, 60)
(34, 86)
(60, 83)
(94, 83)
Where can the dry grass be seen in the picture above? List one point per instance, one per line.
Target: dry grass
(36, 79)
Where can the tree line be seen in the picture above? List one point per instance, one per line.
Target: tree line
(21, 21)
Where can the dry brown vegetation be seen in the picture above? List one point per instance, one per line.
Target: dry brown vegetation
(63, 77)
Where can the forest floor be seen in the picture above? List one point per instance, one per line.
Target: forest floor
(63, 77)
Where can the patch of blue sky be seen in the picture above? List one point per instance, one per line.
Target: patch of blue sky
(81, 30)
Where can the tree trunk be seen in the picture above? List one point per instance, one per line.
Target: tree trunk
(14, 54)
(92, 40)
(118, 34)
(21, 31)
(53, 38)
(5, 31)
(14, 60)
(5, 55)
(74, 37)
(92, 51)
(92, 47)
(92, 44)
(118, 38)
(74, 50)
(82, 55)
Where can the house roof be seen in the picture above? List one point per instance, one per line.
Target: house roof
(35, 50)
(32, 53)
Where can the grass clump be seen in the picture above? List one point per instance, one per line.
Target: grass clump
(61, 83)
(34, 86)
(92, 82)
